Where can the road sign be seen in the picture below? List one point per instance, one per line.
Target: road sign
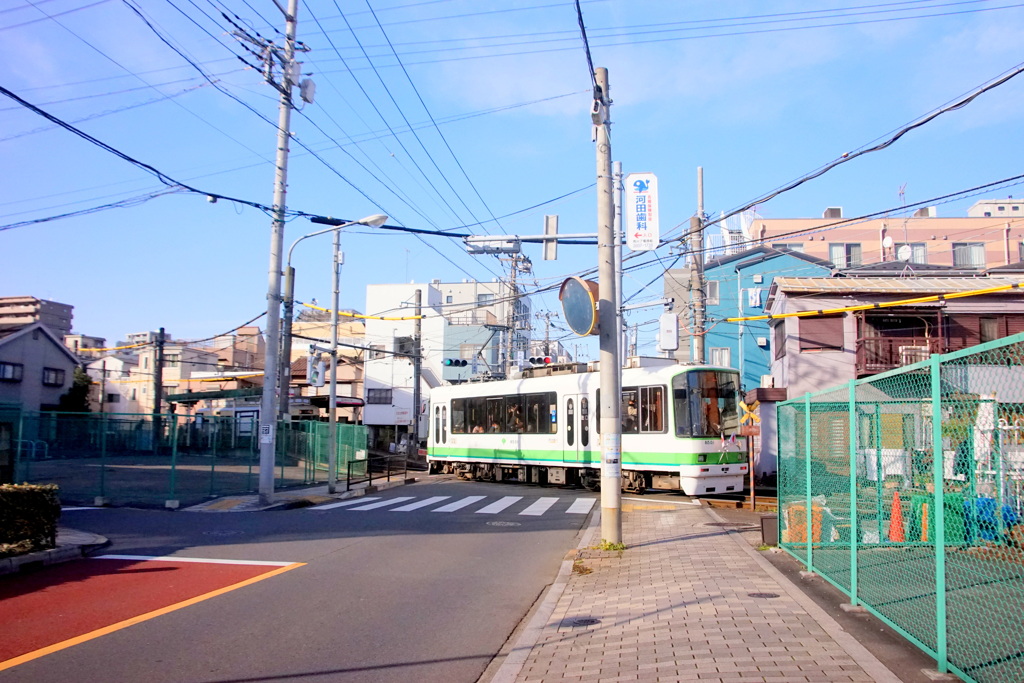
(641, 209)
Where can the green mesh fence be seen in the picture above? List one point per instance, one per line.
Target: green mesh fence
(905, 490)
(139, 459)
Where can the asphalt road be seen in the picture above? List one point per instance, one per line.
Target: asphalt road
(427, 588)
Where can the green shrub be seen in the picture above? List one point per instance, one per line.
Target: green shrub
(28, 517)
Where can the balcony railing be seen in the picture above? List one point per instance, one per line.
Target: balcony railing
(878, 354)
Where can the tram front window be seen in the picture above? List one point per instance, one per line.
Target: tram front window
(706, 403)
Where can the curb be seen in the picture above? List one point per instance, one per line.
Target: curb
(73, 546)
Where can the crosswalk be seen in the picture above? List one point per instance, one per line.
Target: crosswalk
(480, 505)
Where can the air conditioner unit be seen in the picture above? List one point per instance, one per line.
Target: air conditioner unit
(762, 341)
(767, 382)
(913, 354)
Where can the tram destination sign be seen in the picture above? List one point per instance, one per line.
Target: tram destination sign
(579, 305)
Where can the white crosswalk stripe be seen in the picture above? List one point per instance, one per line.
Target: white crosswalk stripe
(581, 506)
(420, 504)
(345, 503)
(539, 507)
(384, 503)
(459, 504)
(498, 505)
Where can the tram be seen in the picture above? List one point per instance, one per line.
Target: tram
(680, 428)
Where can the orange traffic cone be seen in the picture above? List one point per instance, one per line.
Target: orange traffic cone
(896, 520)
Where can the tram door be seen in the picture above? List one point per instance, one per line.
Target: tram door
(577, 427)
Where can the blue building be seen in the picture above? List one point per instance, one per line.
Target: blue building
(737, 286)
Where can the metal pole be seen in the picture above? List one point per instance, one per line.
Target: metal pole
(158, 390)
(268, 403)
(697, 271)
(611, 424)
(286, 342)
(617, 172)
(332, 430)
(417, 361)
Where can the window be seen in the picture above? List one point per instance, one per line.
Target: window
(789, 246)
(172, 360)
(918, 251)
(113, 398)
(484, 298)
(378, 396)
(711, 292)
(405, 346)
(133, 395)
(844, 254)
(448, 299)
(437, 424)
(11, 372)
(516, 414)
(469, 351)
(989, 329)
(53, 377)
(969, 254)
(706, 403)
(377, 351)
(820, 333)
(779, 339)
(584, 421)
(643, 410)
(720, 355)
(145, 362)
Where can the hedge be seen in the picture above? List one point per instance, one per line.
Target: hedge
(28, 518)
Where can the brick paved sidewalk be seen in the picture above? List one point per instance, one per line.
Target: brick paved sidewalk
(688, 600)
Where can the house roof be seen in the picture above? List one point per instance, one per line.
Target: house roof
(763, 253)
(900, 268)
(890, 285)
(9, 334)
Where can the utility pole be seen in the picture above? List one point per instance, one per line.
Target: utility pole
(611, 390)
(617, 172)
(697, 271)
(284, 411)
(158, 389)
(332, 429)
(510, 317)
(417, 363)
(268, 403)
(546, 317)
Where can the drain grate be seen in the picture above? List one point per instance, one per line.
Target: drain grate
(763, 596)
(582, 621)
(503, 524)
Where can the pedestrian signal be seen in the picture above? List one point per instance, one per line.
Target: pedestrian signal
(455, 362)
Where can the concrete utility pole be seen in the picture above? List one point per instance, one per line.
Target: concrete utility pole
(268, 404)
(417, 364)
(611, 390)
(617, 172)
(158, 389)
(284, 408)
(332, 398)
(697, 271)
(510, 316)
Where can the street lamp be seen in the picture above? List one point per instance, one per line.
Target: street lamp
(289, 304)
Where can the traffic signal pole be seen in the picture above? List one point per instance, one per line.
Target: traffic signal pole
(610, 366)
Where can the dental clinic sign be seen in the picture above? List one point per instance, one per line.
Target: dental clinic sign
(641, 208)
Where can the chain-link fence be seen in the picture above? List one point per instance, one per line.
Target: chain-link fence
(905, 490)
(142, 459)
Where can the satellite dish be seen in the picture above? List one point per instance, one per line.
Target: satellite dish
(904, 253)
(887, 242)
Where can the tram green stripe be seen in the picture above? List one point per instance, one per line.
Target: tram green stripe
(593, 457)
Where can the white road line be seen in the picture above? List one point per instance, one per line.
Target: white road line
(383, 503)
(420, 504)
(173, 558)
(344, 503)
(68, 509)
(581, 506)
(498, 505)
(459, 504)
(539, 507)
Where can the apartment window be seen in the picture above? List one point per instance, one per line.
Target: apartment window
(11, 372)
(113, 398)
(484, 298)
(711, 292)
(918, 251)
(448, 299)
(789, 246)
(969, 254)
(721, 356)
(1001, 208)
(378, 396)
(989, 329)
(53, 377)
(133, 395)
(779, 340)
(820, 333)
(845, 254)
(145, 362)
(1020, 251)
(376, 351)
(172, 360)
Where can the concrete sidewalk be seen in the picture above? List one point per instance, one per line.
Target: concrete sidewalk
(688, 600)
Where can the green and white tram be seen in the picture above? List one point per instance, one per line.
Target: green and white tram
(680, 428)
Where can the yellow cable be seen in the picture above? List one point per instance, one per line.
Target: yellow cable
(360, 315)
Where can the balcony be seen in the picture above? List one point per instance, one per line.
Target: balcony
(878, 354)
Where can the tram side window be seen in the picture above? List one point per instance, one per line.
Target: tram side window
(459, 416)
(584, 421)
(437, 424)
(642, 410)
(476, 415)
(495, 415)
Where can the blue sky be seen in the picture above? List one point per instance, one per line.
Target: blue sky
(498, 94)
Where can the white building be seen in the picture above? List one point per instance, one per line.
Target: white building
(462, 321)
(116, 384)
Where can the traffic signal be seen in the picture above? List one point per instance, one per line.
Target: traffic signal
(315, 371)
(540, 360)
(455, 362)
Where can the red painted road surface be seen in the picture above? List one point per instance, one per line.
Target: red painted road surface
(68, 601)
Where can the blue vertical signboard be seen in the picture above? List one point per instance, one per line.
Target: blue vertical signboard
(641, 209)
